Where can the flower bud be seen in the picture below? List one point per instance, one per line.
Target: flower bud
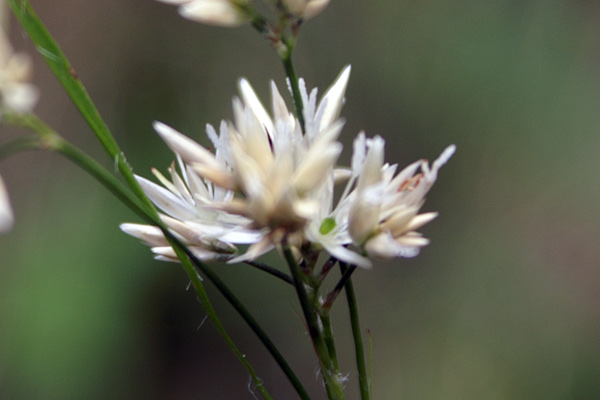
(306, 8)
(211, 12)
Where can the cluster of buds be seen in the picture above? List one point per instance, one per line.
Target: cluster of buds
(270, 181)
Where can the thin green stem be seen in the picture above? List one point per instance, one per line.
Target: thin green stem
(270, 270)
(363, 379)
(292, 76)
(51, 140)
(259, 22)
(249, 319)
(18, 145)
(346, 274)
(330, 340)
(327, 266)
(66, 75)
(310, 309)
(210, 311)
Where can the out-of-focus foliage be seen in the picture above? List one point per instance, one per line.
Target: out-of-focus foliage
(504, 304)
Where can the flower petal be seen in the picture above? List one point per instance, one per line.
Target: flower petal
(331, 104)
(166, 200)
(6, 214)
(213, 12)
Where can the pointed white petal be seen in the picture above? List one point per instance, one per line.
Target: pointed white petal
(398, 223)
(314, 7)
(255, 251)
(252, 101)
(384, 246)
(444, 157)
(359, 152)
(349, 256)
(404, 175)
(370, 172)
(243, 236)
(364, 213)
(420, 220)
(280, 111)
(332, 101)
(213, 12)
(316, 167)
(189, 150)
(150, 235)
(166, 200)
(341, 175)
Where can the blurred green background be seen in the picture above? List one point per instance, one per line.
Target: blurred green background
(505, 302)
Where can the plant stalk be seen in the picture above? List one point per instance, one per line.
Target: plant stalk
(363, 379)
(310, 309)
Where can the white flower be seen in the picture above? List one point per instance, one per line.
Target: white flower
(278, 172)
(383, 213)
(186, 201)
(6, 215)
(378, 212)
(306, 8)
(16, 93)
(224, 13)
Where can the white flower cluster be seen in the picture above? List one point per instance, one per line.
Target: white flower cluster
(267, 181)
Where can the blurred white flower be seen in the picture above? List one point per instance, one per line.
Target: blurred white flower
(224, 13)
(306, 8)
(6, 214)
(16, 93)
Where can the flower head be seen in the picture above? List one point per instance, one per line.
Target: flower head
(383, 208)
(264, 180)
(378, 212)
(224, 13)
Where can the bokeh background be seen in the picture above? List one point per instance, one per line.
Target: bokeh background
(505, 302)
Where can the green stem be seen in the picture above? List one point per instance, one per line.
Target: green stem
(284, 46)
(270, 270)
(363, 379)
(332, 380)
(330, 340)
(18, 145)
(64, 72)
(51, 140)
(66, 75)
(292, 76)
(249, 319)
(211, 313)
(346, 274)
